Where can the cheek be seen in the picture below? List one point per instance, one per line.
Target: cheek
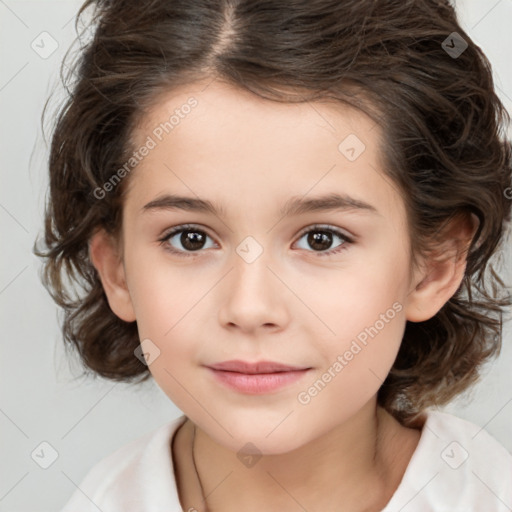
(356, 361)
(167, 302)
(161, 292)
(165, 315)
(353, 300)
(364, 309)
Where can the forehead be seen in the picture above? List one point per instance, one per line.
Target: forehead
(204, 107)
(220, 142)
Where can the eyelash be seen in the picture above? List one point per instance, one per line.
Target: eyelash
(186, 227)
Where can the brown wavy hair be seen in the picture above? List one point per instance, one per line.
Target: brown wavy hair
(445, 148)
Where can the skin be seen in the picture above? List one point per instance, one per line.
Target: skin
(289, 305)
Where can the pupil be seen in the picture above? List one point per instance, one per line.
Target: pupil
(316, 238)
(192, 240)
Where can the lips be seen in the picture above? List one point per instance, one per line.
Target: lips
(255, 368)
(258, 378)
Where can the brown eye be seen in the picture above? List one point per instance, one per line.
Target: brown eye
(321, 238)
(190, 238)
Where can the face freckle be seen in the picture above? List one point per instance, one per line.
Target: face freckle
(255, 292)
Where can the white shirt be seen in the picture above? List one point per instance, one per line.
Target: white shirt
(456, 467)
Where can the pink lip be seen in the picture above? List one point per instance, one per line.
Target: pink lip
(256, 378)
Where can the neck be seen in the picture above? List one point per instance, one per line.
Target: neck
(360, 461)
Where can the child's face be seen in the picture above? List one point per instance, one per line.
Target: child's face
(289, 304)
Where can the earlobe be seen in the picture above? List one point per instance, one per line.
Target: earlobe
(105, 257)
(441, 274)
(438, 285)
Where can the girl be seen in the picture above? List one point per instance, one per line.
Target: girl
(285, 213)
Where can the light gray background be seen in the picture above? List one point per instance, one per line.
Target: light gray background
(41, 400)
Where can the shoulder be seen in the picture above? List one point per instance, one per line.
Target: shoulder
(457, 466)
(138, 476)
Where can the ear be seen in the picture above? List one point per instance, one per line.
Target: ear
(441, 273)
(105, 256)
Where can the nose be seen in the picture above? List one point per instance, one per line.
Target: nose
(253, 297)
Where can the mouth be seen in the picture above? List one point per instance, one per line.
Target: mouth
(255, 368)
(256, 378)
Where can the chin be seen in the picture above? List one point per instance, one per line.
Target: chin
(258, 444)
(269, 436)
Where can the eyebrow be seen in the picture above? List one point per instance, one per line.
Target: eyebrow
(294, 206)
